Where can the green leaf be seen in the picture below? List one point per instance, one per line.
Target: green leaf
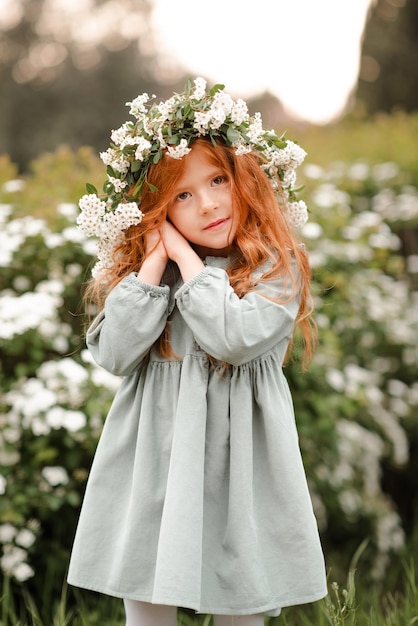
(157, 156)
(91, 188)
(108, 187)
(136, 166)
(216, 88)
(213, 140)
(151, 187)
(111, 172)
(233, 135)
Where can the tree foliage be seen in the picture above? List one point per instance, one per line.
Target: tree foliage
(388, 76)
(66, 73)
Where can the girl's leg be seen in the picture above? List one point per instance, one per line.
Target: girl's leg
(145, 614)
(238, 620)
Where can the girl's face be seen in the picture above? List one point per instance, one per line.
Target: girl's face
(201, 209)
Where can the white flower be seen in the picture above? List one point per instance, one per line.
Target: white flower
(297, 213)
(7, 533)
(11, 186)
(117, 183)
(165, 108)
(3, 484)
(55, 475)
(242, 148)
(67, 209)
(11, 558)
(138, 105)
(179, 151)
(255, 129)
(128, 214)
(118, 136)
(21, 313)
(92, 211)
(222, 100)
(108, 156)
(117, 161)
(239, 113)
(217, 116)
(25, 538)
(143, 148)
(22, 572)
(289, 157)
(297, 154)
(202, 121)
(289, 178)
(200, 88)
(58, 417)
(120, 164)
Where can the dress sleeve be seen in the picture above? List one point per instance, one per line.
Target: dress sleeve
(133, 318)
(233, 329)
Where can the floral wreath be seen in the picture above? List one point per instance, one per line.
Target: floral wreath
(171, 127)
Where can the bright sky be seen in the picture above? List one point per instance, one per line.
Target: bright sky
(305, 52)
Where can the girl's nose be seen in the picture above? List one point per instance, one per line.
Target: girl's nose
(207, 203)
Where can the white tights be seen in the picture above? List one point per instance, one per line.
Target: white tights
(145, 614)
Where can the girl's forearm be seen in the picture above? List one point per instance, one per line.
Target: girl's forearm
(190, 264)
(151, 270)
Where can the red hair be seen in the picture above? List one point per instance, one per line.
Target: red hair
(263, 233)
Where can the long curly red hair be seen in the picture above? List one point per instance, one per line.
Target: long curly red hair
(263, 233)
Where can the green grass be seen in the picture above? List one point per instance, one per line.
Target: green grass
(347, 605)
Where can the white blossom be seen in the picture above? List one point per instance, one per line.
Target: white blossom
(7, 533)
(291, 156)
(137, 106)
(25, 538)
(200, 88)
(117, 183)
(143, 149)
(19, 314)
(297, 213)
(12, 186)
(22, 572)
(239, 112)
(55, 475)
(255, 129)
(119, 136)
(178, 152)
(242, 148)
(165, 108)
(202, 121)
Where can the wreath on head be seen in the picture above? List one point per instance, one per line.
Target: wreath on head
(171, 127)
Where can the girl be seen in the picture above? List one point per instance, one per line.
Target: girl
(197, 496)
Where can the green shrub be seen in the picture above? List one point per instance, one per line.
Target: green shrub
(356, 407)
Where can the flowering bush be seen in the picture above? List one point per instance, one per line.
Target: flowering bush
(355, 408)
(358, 410)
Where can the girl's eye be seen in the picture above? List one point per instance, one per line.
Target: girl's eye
(183, 195)
(218, 180)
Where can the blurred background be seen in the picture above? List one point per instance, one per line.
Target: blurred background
(341, 78)
(67, 68)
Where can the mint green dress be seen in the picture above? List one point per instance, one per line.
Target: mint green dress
(197, 495)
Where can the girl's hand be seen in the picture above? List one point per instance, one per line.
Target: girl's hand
(174, 243)
(155, 260)
(154, 247)
(180, 251)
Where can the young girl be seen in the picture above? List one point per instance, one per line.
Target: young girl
(197, 496)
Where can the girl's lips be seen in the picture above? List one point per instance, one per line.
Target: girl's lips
(217, 223)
